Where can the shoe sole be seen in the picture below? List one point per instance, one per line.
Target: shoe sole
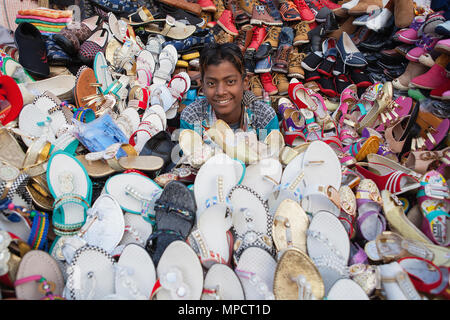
(308, 68)
(263, 70)
(226, 29)
(442, 48)
(300, 42)
(420, 86)
(260, 22)
(296, 75)
(279, 70)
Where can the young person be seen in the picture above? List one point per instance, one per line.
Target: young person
(224, 85)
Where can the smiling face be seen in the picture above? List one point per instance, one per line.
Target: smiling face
(223, 86)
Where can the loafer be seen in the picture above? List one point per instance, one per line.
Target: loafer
(350, 55)
(33, 53)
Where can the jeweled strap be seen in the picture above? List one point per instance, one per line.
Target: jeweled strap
(70, 198)
(39, 229)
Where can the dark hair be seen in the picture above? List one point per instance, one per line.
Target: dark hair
(214, 54)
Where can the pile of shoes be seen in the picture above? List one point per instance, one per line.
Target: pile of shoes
(104, 198)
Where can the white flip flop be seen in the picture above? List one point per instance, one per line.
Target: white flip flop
(179, 85)
(221, 283)
(210, 237)
(128, 121)
(102, 73)
(263, 176)
(91, 275)
(105, 224)
(396, 283)
(134, 192)
(328, 246)
(137, 230)
(179, 273)
(346, 289)
(256, 270)
(251, 220)
(215, 179)
(135, 273)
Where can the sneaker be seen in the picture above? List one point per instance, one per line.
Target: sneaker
(281, 61)
(305, 12)
(301, 33)
(207, 5)
(256, 86)
(312, 61)
(259, 33)
(264, 65)
(295, 69)
(268, 84)
(260, 16)
(220, 7)
(289, 12)
(331, 5)
(247, 6)
(264, 50)
(243, 39)
(282, 83)
(286, 36)
(319, 10)
(272, 36)
(249, 61)
(272, 8)
(226, 21)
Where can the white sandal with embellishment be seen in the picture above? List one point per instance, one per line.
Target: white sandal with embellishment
(256, 269)
(179, 274)
(221, 283)
(329, 247)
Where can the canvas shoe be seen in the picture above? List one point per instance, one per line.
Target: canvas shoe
(305, 12)
(259, 33)
(264, 65)
(226, 21)
(268, 83)
(289, 12)
(260, 16)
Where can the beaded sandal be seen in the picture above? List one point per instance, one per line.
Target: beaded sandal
(135, 274)
(71, 188)
(328, 247)
(252, 222)
(179, 274)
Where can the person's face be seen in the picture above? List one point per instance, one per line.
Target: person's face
(224, 87)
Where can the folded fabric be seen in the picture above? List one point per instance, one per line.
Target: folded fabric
(48, 29)
(41, 22)
(49, 13)
(67, 20)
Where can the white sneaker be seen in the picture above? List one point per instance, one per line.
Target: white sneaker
(379, 21)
